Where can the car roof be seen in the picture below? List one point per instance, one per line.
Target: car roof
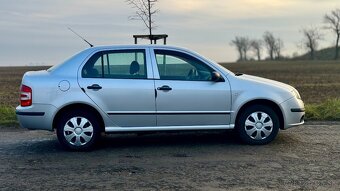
(101, 47)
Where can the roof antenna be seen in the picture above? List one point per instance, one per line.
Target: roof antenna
(80, 37)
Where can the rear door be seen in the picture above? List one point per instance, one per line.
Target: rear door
(186, 94)
(118, 82)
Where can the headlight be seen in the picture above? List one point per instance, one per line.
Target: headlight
(296, 93)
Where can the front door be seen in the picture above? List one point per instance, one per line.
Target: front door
(186, 94)
(117, 81)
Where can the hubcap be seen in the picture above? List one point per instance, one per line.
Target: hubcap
(78, 131)
(258, 125)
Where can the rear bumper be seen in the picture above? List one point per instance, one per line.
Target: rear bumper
(293, 112)
(37, 116)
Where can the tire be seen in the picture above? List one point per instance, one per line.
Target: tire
(78, 130)
(258, 125)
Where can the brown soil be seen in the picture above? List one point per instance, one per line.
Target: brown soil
(302, 158)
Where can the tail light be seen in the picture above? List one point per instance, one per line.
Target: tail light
(25, 96)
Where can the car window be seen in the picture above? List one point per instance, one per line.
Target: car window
(173, 65)
(122, 64)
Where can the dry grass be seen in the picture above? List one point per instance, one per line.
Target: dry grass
(10, 80)
(317, 81)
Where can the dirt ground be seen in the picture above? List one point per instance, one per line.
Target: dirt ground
(302, 158)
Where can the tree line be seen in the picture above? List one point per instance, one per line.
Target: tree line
(274, 45)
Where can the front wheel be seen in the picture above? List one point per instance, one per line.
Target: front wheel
(78, 130)
(258, 125)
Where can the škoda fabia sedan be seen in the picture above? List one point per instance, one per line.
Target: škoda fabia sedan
(139, 88)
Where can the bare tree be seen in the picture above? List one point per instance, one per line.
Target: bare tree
(237, 42)
(270, 43)
(245, 47)
(145, 9)
(256, 46)
(278, 46)
(242, 44)
(333, 23)
(311, 39)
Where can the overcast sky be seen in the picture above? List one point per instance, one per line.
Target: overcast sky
(35, 31)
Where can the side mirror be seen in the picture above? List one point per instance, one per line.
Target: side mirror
(216, 77)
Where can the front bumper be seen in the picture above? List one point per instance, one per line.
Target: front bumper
(293, 112)
(37, 116)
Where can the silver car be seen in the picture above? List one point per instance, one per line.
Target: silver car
(139, 88)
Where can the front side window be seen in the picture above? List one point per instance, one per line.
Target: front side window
(173, 65)
(122, 64)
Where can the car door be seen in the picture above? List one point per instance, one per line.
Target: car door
(186, 94)
(117, 81)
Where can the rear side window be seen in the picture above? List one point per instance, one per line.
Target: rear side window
(121, 64)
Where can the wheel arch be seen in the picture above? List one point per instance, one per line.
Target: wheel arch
(79, 106)
(265, 102)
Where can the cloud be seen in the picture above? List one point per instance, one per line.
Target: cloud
(36, 30)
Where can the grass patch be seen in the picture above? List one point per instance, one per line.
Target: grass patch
(8, 117)
(328, 110)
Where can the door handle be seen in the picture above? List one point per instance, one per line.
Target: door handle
(94, 87)
(164, 88)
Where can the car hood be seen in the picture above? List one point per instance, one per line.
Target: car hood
(265, 81)
(247, 87)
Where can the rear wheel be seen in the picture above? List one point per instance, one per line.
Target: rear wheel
(78, 130)
(258, 125)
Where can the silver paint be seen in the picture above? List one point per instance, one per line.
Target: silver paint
(132, 105)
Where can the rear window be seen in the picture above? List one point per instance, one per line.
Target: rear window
(55, 67)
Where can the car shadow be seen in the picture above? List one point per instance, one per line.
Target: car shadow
(168, 139)
(159, 140)
(149, 142)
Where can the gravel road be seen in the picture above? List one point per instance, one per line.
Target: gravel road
(302, 158)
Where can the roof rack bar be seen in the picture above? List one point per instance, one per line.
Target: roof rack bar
(153, 38)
